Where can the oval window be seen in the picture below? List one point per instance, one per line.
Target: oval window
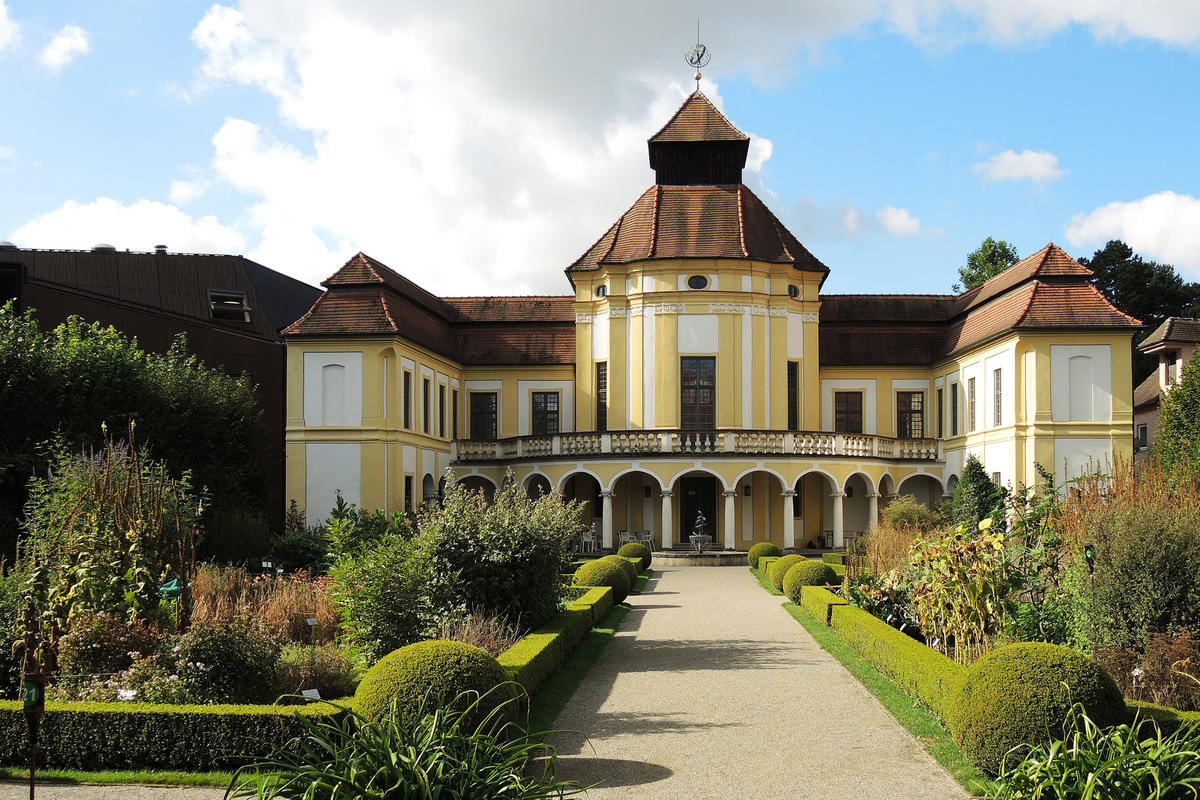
(601, 291)
(793, 291)
(697, 282)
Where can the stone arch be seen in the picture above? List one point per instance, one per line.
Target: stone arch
(926, 488)
(584, 486)
(694, 470)
(536, 484)
(769, 470)
(856, 504)
(643, 470)
(760, 511)
(866, 479)
(429, 489)
(571, 473)
(479, 483)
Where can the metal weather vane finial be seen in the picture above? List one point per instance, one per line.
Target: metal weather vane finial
(698, 56)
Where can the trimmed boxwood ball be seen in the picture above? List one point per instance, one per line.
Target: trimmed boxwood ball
(807, 573)
(636, 550)
(603, 572)
(780, 568)
(631, 570)
(760, 549)
(1020, 694)
(436, 668)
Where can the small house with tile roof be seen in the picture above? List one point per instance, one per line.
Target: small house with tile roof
(696, 367)
(1174, 342)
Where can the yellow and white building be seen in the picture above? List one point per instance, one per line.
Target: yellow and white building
(698, 368)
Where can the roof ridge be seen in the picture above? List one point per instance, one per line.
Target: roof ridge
(697, 97)
(1035, 285)
(654, 219)
(387, 312)
(742, 223)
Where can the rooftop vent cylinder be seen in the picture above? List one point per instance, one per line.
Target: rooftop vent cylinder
(160, 249)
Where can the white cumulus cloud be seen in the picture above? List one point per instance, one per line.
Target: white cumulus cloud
(1027, 165)
(1163, 226)
(67, 45)
(137, 226)
(898, 221)
(6, 152)
(10, 31)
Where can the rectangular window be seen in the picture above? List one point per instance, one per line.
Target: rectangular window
(698, 392)
(442, 410)
(601, 395)
(408, 498)
(954, 409)
(996, 478)
(1143, 437)
(408, 399)
(997, 399)
(970, 404)
(793, 390)
(228, 305)
(454, 413)
(483, 415)
(10, 285)
(910, 415)
(941, 401)
(545, 414)
(425, 405)
(847, 412)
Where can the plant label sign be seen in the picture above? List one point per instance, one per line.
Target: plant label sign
(34, 695)
(312, 694)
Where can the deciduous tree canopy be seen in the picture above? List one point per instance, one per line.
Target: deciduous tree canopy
(986, 261)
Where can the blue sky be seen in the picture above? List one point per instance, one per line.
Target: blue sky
(481, 148)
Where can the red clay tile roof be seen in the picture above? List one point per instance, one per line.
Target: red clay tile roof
(725, 221)
(1049, 262)
(698, 120)
(1078, 305)
(1147, 392)
(1173, 329)
(366, 298)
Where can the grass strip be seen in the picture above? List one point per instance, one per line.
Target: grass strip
(556, 692)
(120, 777)
(765, 581)
(915, 718)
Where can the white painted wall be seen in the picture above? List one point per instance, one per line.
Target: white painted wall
(867, 387)
(649, 396)
(1076, 456)
(795, 336)
(325, 401)
(566, 406)
(600, 337)
(329, 467)
(698, 334)
(1081, 383)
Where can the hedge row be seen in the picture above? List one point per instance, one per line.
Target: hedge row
(117, 736)
(819, 602)
(531, 661)
(1169, 719)
(833, 558)
(765, 563)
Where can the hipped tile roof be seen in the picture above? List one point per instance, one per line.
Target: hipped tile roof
(1147, 392)
(712, 221)
(367, 298)
(698, 120)
(1173, 329)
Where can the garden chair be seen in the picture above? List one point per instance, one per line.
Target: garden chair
(587, 540)
(646, 538)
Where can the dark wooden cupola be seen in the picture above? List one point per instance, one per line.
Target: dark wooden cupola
(698, 146)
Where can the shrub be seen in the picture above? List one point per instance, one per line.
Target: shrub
(122, 736)
(807, 573)
(531, 661)
(780, 568)
(1126, 762)
(888, 546)
(818, 601)
(443, 753)
(106, 643)
(598, 600)
(1166, 674)
(760, 549)
(976, 498)
(503, 557)
(11, 584)
(299, 546)
(327, 668)
(906, 512)
(228, 661)
(404, 680)
(1177, 441)
(636, 550)
(603, 572)
(1021, 694)
(631, 570)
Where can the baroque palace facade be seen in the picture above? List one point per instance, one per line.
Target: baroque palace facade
(697, 368)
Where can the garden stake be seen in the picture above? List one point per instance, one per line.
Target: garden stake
(34, 695)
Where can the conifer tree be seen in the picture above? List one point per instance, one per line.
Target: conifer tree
(1177, 443)
(975, 497)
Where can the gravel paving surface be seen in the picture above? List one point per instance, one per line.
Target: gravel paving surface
(711, 690)
(20, 791)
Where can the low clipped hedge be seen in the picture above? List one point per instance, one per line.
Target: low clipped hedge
(604, 572)
(807, 573)
(924, 673)
(764, 565)
(1021, 693)
(834, 558)
(819, 602)
(598, 600)
(839, 570)
(780, 567)
(120, 736)
(1168, 719)
(636, 550)
(531, 661)
(415, 672)
(760, 549)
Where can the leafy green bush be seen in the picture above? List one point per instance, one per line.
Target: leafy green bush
(807, 573)
(11, 585)
(228, 661)
(402, 681)
(505, 557)
(445, 751)
(1177, 441)
(976, 498)
(1126, 762)
(636, 550)
(1022, 693)
(760, 549)
(119, 736)
(602, 572)
(300, 546)
(327, 668)
(781, 567)
(631, 570)
(906, 512)
(106, 643)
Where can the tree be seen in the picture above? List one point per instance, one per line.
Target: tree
(986, 261)
(976, 498)
(1177, 443)
(1147, 290)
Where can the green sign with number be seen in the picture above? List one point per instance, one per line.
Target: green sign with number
(33, 694)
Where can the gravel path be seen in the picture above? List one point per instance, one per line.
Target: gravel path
(49, 791)
(711, 689)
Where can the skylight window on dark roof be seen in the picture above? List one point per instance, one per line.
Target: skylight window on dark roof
(228, 305)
